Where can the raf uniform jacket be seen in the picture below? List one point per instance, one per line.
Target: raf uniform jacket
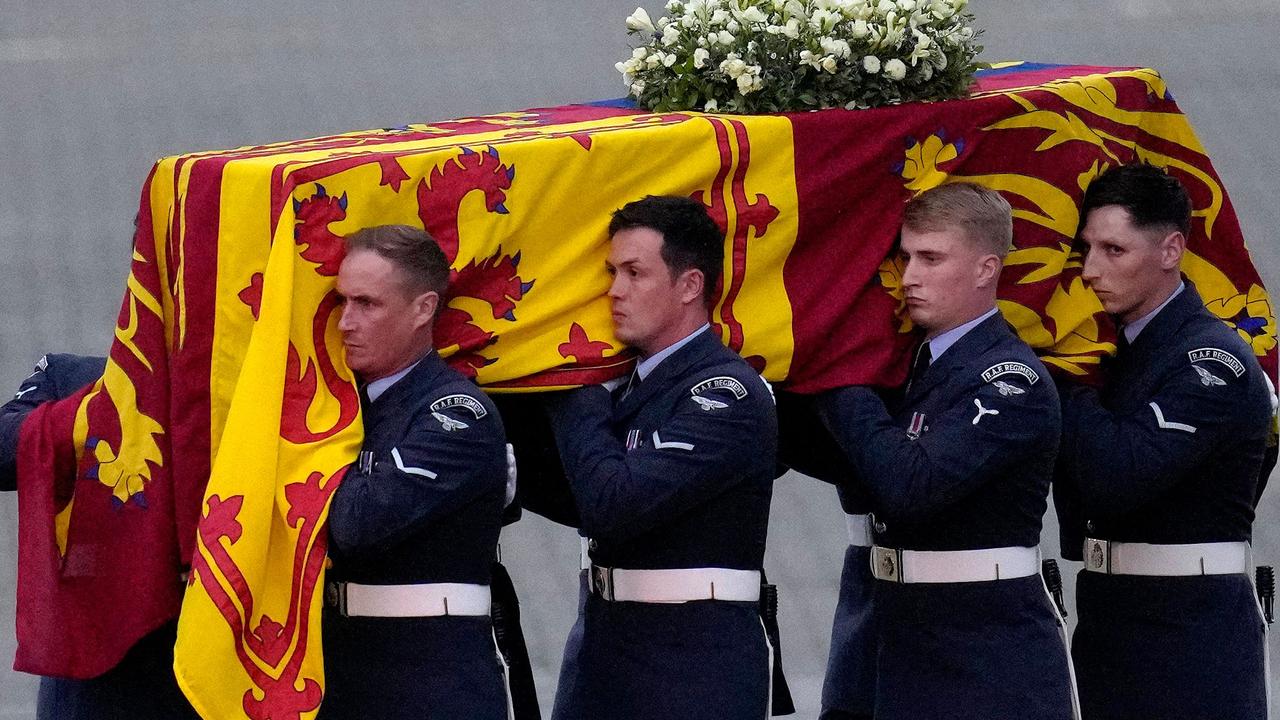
(429, 510)
(1170, 451)
(142, 684)
(962, 463)
(676, 474)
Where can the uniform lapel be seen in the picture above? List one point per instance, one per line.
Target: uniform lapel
(698, 348)
(974, 342)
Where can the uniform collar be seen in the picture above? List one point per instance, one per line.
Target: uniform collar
(375, 389)
(647, 365)
(1169, 320)
(990, 329)
(1132, 330)
(699, 346)
(944, 341)
(391, 384)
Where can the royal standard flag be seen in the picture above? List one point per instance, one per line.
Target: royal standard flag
(226, 415)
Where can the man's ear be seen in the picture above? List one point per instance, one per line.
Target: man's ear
(1172, 246)
(989, 270)
(689, 285)
(424, 307)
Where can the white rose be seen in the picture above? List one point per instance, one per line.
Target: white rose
(669, 59)
(653, 60)
(733, 26)
(637, 87)
(792, 29)
(859, 29)
(829, 64)
(639, 21)
(725, 37)
(733, 66)
(639, 53)
(895, 69)
(671, 35)
(871, 64)
(719, 17)
(711, 105)
(700, 57)
(753, 15)
(688, 21)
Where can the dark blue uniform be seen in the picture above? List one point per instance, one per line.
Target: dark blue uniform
(677, 475)
(142, 684)
(1169, 452)
(962, 464)
(429, 510)
(805, 445)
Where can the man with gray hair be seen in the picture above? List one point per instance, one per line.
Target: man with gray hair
(956, 473)
(414, 525)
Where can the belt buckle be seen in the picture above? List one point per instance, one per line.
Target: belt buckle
(335, 595)
(602, 581)
(1097, 556)
(887, 563)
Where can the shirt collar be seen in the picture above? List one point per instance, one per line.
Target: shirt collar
(375, 389)
(944, 341)
(647, 365)
(1132, 329)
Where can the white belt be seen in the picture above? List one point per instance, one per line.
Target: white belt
(1126, 558)
(676, 585)
(953, 566)
(425, 600)
(859, 530)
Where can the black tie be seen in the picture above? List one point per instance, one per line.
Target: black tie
(921, 363)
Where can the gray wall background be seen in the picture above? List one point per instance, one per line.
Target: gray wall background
(91, 93)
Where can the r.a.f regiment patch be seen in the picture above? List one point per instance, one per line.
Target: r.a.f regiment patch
(1010, 368)
(722, 382)
(1218, 356)
(460, 400)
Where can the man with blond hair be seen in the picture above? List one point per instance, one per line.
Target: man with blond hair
(956, 474)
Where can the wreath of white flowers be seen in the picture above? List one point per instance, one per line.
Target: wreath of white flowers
(756, 56)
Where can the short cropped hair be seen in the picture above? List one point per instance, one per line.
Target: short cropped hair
(1154, 199)
(691, 239)
(980, 213)
(413, 251)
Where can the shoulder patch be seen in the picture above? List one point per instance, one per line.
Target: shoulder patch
(721, 382)
(1218, 356)
(1010, 368)
(1006, 389)
(1207, 378)
(460, 400)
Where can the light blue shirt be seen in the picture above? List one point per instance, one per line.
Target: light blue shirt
(379, 386)
(647, 365)
(943, 342)
(1132, 329)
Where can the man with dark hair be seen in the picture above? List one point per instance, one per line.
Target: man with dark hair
(1159, 474)
(672, 476)
(414, 525)
(957, 476)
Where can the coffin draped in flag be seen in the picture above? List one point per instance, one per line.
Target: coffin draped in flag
(226, 416)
